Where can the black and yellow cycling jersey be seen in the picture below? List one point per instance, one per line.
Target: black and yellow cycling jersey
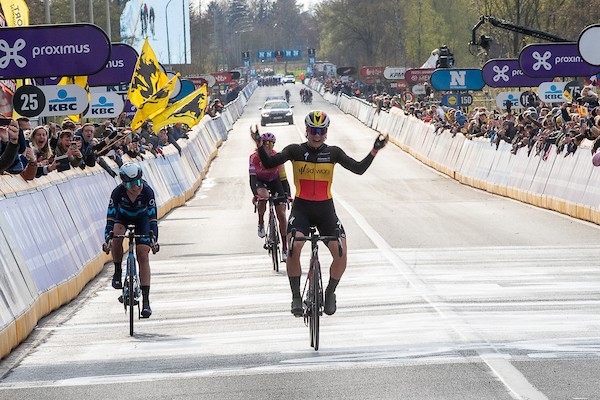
(313, 168)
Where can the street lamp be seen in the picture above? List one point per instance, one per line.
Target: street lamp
(167, 24)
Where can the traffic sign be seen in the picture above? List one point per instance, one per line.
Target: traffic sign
(408, 97)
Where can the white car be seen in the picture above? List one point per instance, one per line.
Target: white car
(288, 79)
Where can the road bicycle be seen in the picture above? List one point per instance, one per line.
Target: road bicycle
(273, 240)
(312, 293)
(132, 279)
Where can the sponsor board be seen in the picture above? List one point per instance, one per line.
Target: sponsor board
(372, 71)
(587, 44)
(53, 50)
(506, 72)
(552, 92)
(554, 60)
(457, 79)
(394, 73)
(47, 101)
(118, 69)
(455, 100)
(505, 97)
(418, 75)
(105, 105)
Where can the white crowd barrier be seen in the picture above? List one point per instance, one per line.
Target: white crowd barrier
(52, 228)
(567, 184)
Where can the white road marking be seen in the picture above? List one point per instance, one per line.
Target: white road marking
(517, 385)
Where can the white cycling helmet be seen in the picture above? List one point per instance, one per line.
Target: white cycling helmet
(131, 174)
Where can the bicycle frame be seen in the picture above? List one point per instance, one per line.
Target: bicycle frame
(272, 238)
(132, 280)
(313, 293)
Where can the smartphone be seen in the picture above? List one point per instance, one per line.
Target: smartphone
(73, 144)
(5, 121)
(60, 157)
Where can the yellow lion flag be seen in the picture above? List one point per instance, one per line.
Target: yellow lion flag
(148, 77)
(16, 12)
(188, 110)
(155, 104)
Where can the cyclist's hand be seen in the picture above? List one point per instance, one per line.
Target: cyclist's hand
(106, 246)
(380, 142)
(155, 247)
(255, 135)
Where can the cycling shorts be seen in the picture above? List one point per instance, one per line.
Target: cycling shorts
(142, 225)
(275, 188)
(320, 214)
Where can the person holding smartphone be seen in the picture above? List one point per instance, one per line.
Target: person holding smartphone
(67, 152)
(9, 136)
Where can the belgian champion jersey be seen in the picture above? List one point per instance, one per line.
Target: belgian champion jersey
(313, 168)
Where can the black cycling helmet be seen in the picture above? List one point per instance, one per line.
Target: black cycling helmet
(317, 119)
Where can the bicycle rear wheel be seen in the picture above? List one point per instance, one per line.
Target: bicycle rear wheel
(316, 304)
(130, 291)
(274, 239)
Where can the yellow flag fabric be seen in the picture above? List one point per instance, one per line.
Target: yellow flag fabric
(147, 76)
(16, 12)
(155, 104)
(80, 81)
(188, 110)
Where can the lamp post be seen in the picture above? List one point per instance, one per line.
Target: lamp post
(167, 24)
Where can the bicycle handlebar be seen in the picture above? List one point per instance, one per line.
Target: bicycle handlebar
(259, 199)
(131, 235)
(313, 238)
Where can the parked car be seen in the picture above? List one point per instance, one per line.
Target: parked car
(276, 111)
(288, 79)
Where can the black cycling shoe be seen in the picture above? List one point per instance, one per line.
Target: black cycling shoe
(116, 282)
(330, 306)
(297, 307)
(146, 310)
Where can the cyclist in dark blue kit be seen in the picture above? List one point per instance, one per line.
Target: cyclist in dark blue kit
(133, 203)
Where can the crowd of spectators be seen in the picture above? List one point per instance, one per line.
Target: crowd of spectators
(41, 150)
(536, 129)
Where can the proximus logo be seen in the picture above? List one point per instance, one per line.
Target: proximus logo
(11, 53)
(60, 50)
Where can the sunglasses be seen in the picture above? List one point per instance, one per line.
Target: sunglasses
(317, 131)
(137, 182)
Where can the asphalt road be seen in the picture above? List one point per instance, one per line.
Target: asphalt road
(450, 293)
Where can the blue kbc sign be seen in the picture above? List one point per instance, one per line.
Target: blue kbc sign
(457, 79)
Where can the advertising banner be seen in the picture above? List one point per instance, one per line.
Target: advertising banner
(552, 92)
(587, 44)
(57, 50)
(105, 105)
(418, 75)
(554, 60)
(166, 24)
(514, 98)
(457, 79)
(394, 73)
(119, 68)
(506, 72)
(372, 71)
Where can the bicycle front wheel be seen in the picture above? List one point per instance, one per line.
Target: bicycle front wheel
(275, 248)
(130, 291)
(316, 304)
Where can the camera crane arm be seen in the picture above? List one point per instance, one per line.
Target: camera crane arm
(485, 41)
